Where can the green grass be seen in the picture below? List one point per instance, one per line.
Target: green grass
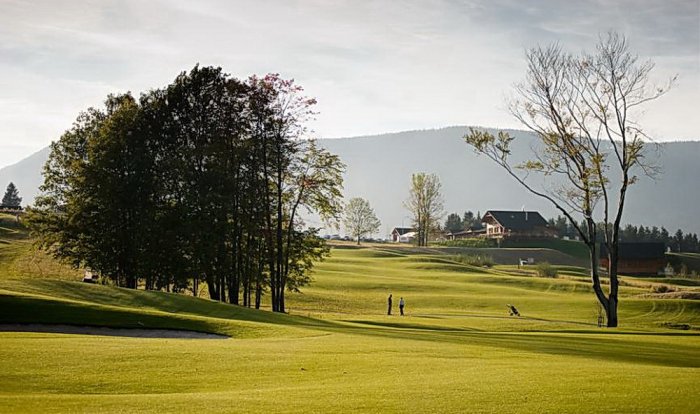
(337, 351)
(571, 247)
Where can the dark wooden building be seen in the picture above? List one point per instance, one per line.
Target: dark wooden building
(645, 258)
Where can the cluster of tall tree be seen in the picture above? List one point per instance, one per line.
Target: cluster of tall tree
(456, 223)
(584, 110)
(678, 241)
(200, 181)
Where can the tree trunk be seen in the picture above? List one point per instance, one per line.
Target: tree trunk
(611, 312)
(213, 293)
(131, 282)
(246, 294)
(281, 308)
(611, 309)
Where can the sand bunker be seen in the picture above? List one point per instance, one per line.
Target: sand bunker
(104, 331)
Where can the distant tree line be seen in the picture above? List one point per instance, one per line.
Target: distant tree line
(678, 241)
(200, 181)
(456, 223)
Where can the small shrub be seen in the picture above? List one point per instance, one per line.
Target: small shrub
(662, 289)
(673, 325)
(472, 242)
(544, 269)
(475, 260)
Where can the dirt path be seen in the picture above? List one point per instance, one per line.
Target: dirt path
(104, 331)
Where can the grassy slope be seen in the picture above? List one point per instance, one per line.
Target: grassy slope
(455, 351)
(19, 258)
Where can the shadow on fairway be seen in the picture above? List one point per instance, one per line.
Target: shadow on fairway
(610, 346)
(414, 326)
(58, 302)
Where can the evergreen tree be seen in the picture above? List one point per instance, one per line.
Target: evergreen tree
(469, 221)
(11, 197)
(454, 223)
(677, 241)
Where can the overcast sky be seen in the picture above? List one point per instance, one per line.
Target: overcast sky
(379, 66)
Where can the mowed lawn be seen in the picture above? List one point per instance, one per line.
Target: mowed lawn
(456, 350)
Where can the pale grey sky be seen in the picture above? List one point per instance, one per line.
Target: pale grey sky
(378, 66)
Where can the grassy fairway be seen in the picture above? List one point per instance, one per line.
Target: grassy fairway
(455, 351)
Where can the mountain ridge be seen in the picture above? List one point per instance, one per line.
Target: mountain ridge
(379, 168)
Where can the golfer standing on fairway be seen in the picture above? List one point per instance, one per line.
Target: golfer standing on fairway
(389, 302)
(401, 305)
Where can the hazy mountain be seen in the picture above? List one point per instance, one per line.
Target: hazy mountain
(26, 175)
(379, 168)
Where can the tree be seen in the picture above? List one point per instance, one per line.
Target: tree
(11, 197)
(296, 173)
(425, 204)
(678, 241)
(582, 110)
(470, 221)
(200, 181)
(360, 219)
(92, 210)
(454, 223)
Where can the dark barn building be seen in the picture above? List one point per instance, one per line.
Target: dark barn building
(637, 258)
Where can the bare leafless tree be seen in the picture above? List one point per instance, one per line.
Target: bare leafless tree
(425, 204)
(584, 109)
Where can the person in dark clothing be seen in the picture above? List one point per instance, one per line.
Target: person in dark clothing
(389, 303)
(401, 305)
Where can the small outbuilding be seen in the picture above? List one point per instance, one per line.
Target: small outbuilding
(402, 234)
(644, 258)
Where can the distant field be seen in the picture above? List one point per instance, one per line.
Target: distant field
(455, 351)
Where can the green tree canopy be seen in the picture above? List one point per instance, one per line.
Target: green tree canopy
(200, 181)
(360, 219)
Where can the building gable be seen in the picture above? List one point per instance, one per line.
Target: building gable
(515, 220)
